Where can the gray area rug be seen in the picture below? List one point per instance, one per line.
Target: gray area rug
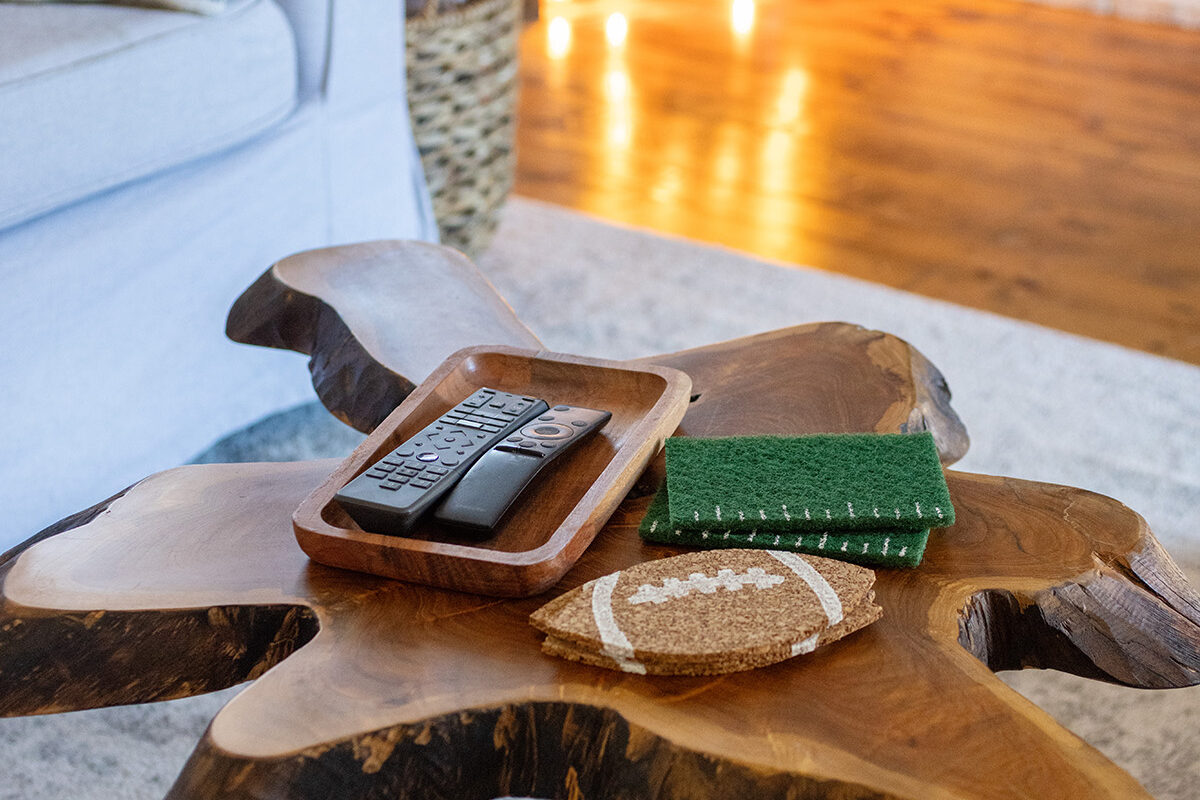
(1039, 404)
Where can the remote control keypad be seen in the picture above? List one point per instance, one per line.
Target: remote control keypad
(390, 494)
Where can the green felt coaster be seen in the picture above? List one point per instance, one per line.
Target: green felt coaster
(881, 548)
(801, 484)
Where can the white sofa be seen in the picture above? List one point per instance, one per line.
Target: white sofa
(152, 164)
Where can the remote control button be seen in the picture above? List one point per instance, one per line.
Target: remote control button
(562, 408)
(405, 453)
(450, 461)
(376, 474)
(384, 467)
(528, 443)
(420, 483)
(391, 487)
(546, 418)
(548, 431)
(427, 456)
(437, 471)
(549, 445)
(578, 423)
(513, 439)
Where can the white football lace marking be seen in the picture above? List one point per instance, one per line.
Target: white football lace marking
(805, 646)
(616, 644)
(830, 603)
(673, 588)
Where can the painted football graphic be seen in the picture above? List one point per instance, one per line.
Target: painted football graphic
(709, 612)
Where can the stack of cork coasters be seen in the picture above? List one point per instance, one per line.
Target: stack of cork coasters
(867, 498)
(709, 612)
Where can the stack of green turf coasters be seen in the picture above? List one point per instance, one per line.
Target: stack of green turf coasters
(866, 498)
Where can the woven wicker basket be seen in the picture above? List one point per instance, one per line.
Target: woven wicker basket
(462, 85)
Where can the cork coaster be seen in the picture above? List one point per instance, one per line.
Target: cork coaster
(709, 612)
(863, 615)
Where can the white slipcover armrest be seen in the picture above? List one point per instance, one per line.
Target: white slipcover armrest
(351, 50)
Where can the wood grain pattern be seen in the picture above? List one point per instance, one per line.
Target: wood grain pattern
(1036, 162)
(410, 691)
(559, 517)
(421, 302)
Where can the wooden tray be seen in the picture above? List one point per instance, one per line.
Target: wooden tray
(561, 512)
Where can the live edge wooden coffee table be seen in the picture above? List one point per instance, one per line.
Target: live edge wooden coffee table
(192, 581)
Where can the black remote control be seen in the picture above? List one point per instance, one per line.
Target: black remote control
(398, 488)
(480, 500)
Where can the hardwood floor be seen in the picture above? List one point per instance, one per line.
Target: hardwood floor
(1035, 162)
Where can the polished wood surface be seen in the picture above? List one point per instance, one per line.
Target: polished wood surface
(191, 580)
(556, 519)
(369, 687)
(421, 302)
(1037, 162)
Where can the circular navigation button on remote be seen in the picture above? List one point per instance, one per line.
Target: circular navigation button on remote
(546, 417)
(547, 430)
(562, 408)
(427, 456)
